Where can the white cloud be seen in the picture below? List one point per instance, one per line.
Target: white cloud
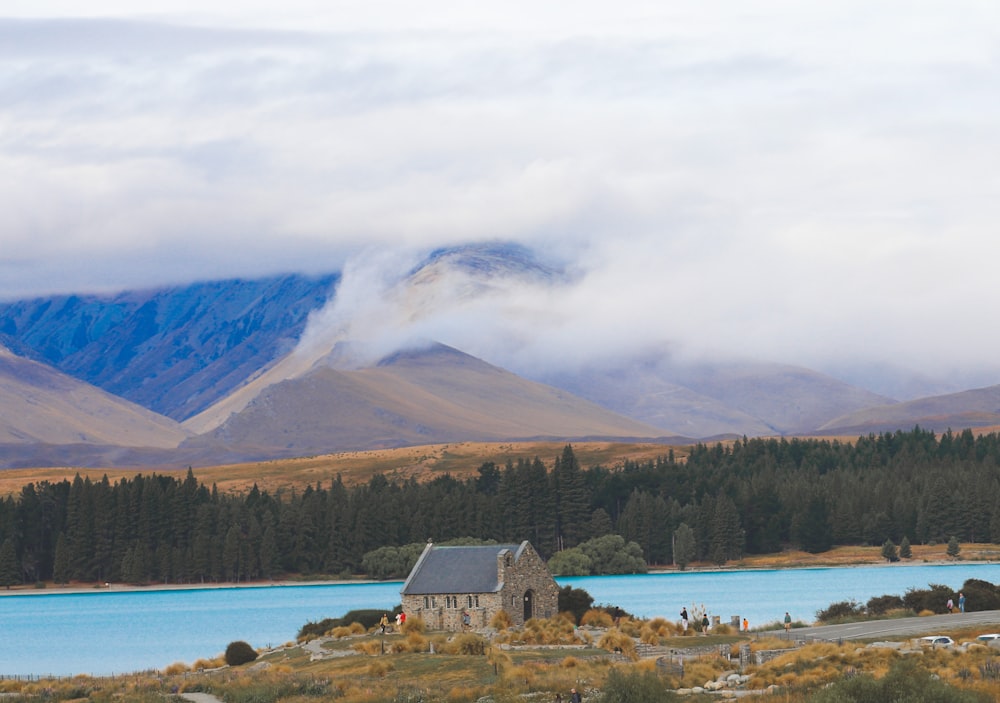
(794, 182)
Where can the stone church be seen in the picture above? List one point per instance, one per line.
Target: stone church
(448, 583)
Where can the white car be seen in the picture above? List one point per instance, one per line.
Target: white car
(988, 638)
(937, 641)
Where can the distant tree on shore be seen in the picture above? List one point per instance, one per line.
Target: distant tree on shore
(684, 546)
(889, 551)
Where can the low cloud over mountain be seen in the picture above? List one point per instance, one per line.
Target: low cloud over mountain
(406, 348)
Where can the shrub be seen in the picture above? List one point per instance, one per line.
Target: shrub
(415, 625)
(239, 652)
(635, 687)
(981, 595)
(933, 598)
(596, 618)
(379, 668)
(839, 611)
(366, 618)
(880, 605)
(906, 681)
(467, 643)
(614, 641)
(201, 664)
(500, 621)
(369, 646)
(415, 642)
(355, 628)
(574, 600)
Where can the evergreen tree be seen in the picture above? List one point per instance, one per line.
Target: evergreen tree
(905, 552)
(684, 546)
(600, 523)
(572, 500)
(953, 547)
(60, 565)
(889, 551)
(727, 535)
(815, 533)
(268, 553)
(231, 554)
(10, 570)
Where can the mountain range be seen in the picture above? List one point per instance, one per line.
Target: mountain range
(234, 370)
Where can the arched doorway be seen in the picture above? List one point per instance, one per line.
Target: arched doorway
(529, 604)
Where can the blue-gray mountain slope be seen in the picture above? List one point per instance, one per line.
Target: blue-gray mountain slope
(173, 350)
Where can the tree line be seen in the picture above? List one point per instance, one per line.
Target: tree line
(718, 503)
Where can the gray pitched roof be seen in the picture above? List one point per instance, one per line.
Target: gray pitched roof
(457, 570)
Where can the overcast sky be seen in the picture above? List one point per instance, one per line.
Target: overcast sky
(803, 182)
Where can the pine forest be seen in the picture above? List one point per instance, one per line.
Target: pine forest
(752, 496)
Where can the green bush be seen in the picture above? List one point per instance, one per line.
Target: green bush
(636, 687)
(934, 598)
(839, 611)
(906, 681)
(368, 618)
(880, 605)
(980, 595)
(239, 652)
(574, 600)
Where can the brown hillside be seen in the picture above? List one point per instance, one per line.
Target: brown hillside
(424, 463)
(427, 396)
(39, 405)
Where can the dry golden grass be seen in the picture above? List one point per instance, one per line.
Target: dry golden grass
(852, 555)
(175, 668)
(596, 618)
(501, 621)
(460, 459)
(370, 647)
(618, 642)
(341, 631)
(208, 663)
(698, 671)
(415, 624)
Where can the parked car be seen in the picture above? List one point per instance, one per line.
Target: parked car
(937, 641)
(988, 638)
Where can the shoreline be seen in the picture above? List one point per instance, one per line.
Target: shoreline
(81, 589)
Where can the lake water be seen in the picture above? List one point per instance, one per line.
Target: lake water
(108, 632)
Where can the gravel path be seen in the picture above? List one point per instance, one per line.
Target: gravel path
(200, 697)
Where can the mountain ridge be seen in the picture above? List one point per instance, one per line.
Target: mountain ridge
(250, 366)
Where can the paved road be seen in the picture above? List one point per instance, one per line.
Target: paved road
(902, 627)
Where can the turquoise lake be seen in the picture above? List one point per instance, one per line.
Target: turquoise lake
(108, 632)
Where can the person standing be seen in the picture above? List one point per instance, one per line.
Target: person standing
(961, 602)
(684, 620)
(705, 624)
(788, 622)
(574, 696)
(746, 625)
(950, 605)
